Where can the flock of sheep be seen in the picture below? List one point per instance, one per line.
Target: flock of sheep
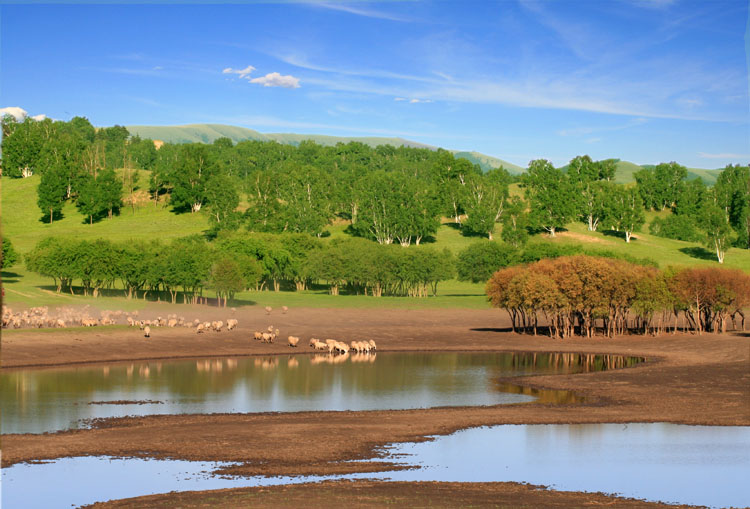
(40, 317)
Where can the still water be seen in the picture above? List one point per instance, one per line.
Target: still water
(705, 465)
(41, 400)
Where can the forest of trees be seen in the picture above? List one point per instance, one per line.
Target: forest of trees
(233, 263)
(582, 294)
(386, 194)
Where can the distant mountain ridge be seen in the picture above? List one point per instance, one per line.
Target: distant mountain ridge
(207, 133)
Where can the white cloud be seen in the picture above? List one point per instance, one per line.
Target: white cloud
(415, 101)
(724, 155)
(399, 98)
(274, 79)
(14, 111)
(39, 117)
(243, 73)
(358, 11)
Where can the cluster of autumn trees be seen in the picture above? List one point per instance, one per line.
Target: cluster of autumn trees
(234, 263)
(582, 294)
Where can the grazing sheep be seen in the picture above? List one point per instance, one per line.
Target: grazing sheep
(270, 328)
(342, 347)
(200, 328)
(321, 346)
(284, 309)
(313, 341)
(267, 337)
(268, 310)
(147, 331)
(218, 325)
(231, 324)
(293, 340)
(172, 322)
(372, 345)
(258, 336)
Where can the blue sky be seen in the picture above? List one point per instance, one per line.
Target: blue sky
(643, 80)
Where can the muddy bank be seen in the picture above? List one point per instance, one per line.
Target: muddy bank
(687, 379)
(380, 494)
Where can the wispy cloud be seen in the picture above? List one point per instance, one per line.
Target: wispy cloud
(270, 121)
(582, 131)
(274, 79)
(724, 155)
(360, 11)
(412, 101)
(243, 73)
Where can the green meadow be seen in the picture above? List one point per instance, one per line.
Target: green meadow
(21, 223)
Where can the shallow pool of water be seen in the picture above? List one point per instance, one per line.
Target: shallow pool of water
(705, 465)
(41, 400)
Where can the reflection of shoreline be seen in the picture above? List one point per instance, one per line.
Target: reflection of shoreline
(555, 396)
(274, 382)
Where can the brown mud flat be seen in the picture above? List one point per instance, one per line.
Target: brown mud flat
(687, 379)
(380, 494)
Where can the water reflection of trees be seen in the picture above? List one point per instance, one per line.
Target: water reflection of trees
(42, 392)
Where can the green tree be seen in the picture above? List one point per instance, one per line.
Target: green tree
(10, 256)
(21, 146)
(222, 198)
(550, 194)
(624, 210)
(89, 198)
(717, 229)
(484, 201)
(480, 260)
(515, 222)
(732, 194)
(110, 191)
(51, 193)
(192, 171)
(587, 178)
(226, 278)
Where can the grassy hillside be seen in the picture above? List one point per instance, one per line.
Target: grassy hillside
(21, 219)
(195, 133)
(488, 162)
(21, 223)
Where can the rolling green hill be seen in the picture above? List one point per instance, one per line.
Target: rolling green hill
(625, 169)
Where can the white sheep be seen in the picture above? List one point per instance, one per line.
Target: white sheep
(284, 309)
(293, 340)
(147, 331)
(268, 310)
(231, 323)
(258, 335)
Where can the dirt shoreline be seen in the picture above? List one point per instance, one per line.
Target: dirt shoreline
(687, 379)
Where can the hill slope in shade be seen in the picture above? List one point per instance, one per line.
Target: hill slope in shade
(207, 133)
